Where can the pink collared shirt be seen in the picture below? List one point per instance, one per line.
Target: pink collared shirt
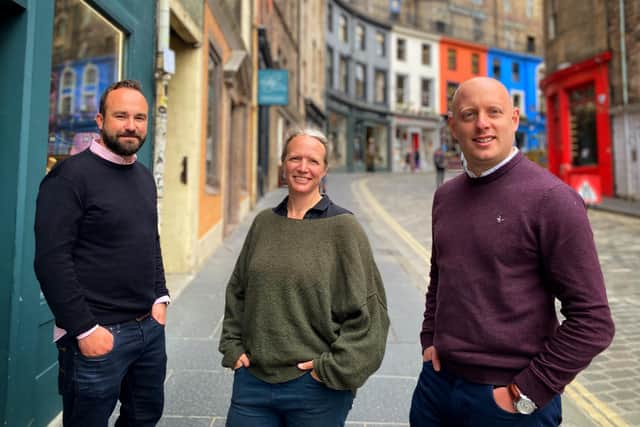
(100, 150)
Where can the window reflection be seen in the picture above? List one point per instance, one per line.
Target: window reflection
(86, 59)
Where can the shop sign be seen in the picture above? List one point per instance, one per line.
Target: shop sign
(273, 87)
(588, 186)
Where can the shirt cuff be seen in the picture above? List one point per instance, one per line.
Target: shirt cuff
(87, 333)
(163, 300)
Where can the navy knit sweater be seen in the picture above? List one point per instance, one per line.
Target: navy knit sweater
(504, 246)
(97, 247)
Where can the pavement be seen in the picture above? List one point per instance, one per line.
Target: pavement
(394, 210)
(619, 206)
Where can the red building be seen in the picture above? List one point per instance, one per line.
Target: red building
(578, 126)
(459, 61)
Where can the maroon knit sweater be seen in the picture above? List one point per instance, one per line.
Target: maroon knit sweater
(504, 246)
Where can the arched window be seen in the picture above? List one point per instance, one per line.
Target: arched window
(90, 81)
(67, 89)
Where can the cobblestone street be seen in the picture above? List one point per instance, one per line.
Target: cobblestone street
(395, 210)
(609, 389)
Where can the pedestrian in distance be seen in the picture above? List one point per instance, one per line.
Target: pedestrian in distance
(440, 163)
(508, 239)
(99, 265)
(305, 320)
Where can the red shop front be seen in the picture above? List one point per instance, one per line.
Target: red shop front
(578, 128)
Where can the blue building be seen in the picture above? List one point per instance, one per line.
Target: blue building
(521, 74)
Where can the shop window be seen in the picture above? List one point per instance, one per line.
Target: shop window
(582, 126)
(337, 141)
(214, 95)
(343, 70)
(79, 76)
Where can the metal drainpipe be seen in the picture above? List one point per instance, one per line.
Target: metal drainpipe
(625, 95)
(162, 83)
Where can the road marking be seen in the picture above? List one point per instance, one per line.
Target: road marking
(586, 401)
(388, 219)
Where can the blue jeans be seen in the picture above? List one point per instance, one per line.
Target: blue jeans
(133, 371)
(302, 402)
(443, 399)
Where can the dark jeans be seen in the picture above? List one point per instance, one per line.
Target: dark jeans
(134, 371)
(303, 402)
(443, 399)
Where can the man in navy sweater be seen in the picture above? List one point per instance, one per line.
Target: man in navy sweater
(508, 239)
(99, 265)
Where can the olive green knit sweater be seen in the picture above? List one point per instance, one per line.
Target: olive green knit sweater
(306, 290)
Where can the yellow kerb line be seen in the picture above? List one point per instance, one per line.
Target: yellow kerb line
(585, 400)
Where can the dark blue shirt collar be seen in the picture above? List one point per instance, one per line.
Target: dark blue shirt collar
(325, 208)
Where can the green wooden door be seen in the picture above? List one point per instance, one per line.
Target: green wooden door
(28, 358)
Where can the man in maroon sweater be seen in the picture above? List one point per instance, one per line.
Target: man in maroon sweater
(508, 239)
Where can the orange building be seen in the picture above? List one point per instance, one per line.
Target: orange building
(459, 61)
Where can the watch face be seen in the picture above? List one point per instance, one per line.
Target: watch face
(525, 406)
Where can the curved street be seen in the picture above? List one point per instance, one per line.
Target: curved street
(395, 210)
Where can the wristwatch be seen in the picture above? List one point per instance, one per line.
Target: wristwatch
(521, 403)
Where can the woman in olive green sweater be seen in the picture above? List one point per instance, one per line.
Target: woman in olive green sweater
(305, 319)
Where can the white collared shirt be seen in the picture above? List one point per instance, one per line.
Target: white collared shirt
(514, 151)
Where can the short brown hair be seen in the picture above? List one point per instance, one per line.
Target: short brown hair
(129, 84)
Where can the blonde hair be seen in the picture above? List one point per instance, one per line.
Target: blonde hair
(305, 131)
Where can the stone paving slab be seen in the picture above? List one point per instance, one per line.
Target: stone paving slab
(198, 389)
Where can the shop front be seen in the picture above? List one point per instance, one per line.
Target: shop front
(62, 55)
(359, 138)
(579, 134)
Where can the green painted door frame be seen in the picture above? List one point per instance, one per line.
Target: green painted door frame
(28, 366)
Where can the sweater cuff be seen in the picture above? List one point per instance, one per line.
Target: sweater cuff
(534, 388)
(426, 339)
(230, 357)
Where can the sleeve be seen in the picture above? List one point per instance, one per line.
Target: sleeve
(572, 269)
(428, 325)
(231, 339)
(426, 334)
(59, 212)
(361, 310)
(161, 284)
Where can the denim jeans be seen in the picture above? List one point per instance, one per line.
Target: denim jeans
(443, 399)
(302, 402)
(133, 371)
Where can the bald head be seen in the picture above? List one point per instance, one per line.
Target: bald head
(484, 122)
(478, 85)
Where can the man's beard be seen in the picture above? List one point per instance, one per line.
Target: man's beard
(122, 148)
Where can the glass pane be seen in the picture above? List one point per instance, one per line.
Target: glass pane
(86, 59)
(582, 123)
